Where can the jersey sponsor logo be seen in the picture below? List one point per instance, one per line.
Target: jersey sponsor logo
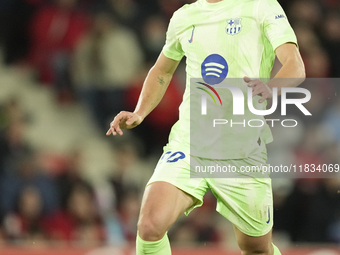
(192, 34)
(172, 157)
(214, 69)
(234, 26)
(281, 16)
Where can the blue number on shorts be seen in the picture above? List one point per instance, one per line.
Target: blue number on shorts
(175, 157)
(165, 154)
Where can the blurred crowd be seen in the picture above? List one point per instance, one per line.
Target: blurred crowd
(97, 53)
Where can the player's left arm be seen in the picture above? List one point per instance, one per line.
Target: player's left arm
(291, 74)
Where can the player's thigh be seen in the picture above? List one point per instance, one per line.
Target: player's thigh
(162, 204)
(170, 192)
(254, 244)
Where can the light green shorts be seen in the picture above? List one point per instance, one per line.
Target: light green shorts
(245, 202)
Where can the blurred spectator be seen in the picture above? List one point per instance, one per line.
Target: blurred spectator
(26, 174)
(128, 214)
(317, 64)
(306, 11)
(12, 146)
(321, 90)
(310, 210)
(5, 6)
(55, 30)
(127, 12)
(282, 189)
(333, 230)
(70, 177)
(79, 223)
(309, 149)
(26, 223)
(332, 121)
(331, 153)
(121, 224)
(167, 8)
(106, 59)
(316, 59)
(15, 15)
(153, 36)
(331, 4)
(128, 180)
(12, 112)
(114, 229)
(331, 34)
(129, 173)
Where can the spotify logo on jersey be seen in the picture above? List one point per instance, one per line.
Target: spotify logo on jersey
(214, 69)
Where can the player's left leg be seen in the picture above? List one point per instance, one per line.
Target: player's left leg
(259, 245)
(248, 204)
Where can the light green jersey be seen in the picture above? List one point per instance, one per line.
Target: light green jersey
(227, 39)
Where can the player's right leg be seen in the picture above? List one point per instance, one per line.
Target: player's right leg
(162, 204)
(169, 193)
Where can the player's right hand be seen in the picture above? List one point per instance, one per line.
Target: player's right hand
(124, 120)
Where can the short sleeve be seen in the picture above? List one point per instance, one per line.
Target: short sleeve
(275, 24)
(172, 48)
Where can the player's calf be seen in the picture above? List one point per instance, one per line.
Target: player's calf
(250, 245)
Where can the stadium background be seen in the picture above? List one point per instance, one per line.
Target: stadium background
(67, 67)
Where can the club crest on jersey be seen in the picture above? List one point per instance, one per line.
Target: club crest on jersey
(234, 26)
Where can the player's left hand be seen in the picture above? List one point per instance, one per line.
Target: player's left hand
(259, 88)
(124, 120)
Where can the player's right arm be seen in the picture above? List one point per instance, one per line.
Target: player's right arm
(154, 87)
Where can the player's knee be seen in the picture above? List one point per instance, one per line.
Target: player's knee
(150, 230)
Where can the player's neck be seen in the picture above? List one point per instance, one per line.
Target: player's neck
(213, 1)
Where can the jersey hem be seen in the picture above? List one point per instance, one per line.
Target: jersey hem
(282, 40)
(171, 56)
